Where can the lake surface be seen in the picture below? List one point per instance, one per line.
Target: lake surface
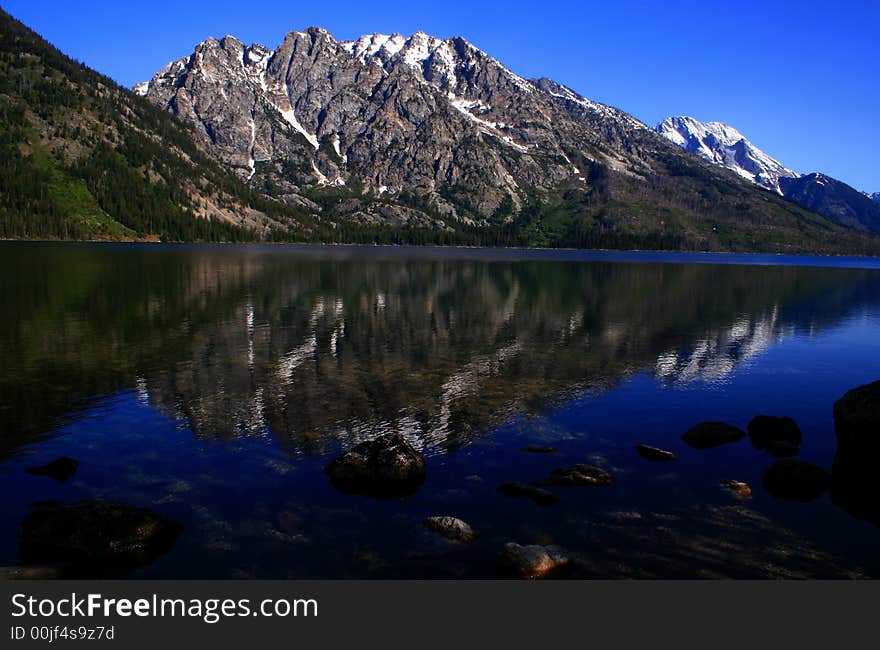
(213, 384)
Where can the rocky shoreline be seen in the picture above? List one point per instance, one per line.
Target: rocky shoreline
(98, 537)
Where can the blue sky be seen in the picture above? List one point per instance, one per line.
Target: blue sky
(799, 79)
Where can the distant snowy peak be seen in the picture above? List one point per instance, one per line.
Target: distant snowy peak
(724, 145)
(875, 196)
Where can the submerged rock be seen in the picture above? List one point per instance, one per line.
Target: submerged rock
(536, 494)
(95, 536)
(30, 573)
(530, 561)
(712, 434)
(655, 453)
(739, 489)
(780, 436)
(856, 469)
(451, 528)
(580, 475)
(796, 479)
(59, 469)
(387, 466)
(857, 415)
(539, 449)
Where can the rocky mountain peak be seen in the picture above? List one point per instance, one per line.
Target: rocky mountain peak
(395, 112)
(723, 145)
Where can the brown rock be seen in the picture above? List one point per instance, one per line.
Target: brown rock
(531, 561)
(655, 453)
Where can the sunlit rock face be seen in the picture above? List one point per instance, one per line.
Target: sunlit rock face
(397, 115)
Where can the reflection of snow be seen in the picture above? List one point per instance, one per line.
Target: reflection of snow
(297, 356)
(714, 358)
(143, 392)
(468, 379)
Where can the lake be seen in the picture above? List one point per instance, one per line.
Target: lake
(213, 384)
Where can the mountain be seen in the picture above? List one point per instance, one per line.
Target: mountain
(434, 136)
(381, 140)
(835, 199)
(723, 145)
(875, 196)
(83, 158)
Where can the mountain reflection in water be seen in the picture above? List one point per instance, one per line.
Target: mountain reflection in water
(318, 349)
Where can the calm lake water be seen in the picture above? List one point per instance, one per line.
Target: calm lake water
(213, 384)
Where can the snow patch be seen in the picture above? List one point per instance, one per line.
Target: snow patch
(465, 106)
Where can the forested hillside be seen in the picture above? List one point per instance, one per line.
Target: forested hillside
(82, 158)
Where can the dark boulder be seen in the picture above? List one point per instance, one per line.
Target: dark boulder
(790, 478)
(538, 495)
(580, 474)
(712, 434)
(857, 415)
(59, 469)
(780, 436)
(95, 537)
(530, 561)
(655, 453)
(385, 467)
(855, 483)
(451, 528)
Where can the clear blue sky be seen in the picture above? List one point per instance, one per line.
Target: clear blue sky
(801, 79)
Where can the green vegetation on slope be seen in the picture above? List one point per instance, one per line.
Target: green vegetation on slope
(82, 158)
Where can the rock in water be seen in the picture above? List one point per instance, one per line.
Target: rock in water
(30, 573)
(539, 496)
(857, 414)
(540, 449)
(855, 476)
(780, 436)
(654, 453)
(712, 434)
(385, 467)
(451, 528)
(59, 469)
(796, 479)
(530, 562)
(580, 475)
(95, 537)
(739, 489)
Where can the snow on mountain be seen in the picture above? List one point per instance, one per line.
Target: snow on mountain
(724, 145)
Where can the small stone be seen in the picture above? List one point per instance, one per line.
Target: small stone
(712, 434)
(739, 489)
(59, 469)
(530, 561)
(539, 449)
(655, 453)
(538, 495)
(580, 474)
(451, 528)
